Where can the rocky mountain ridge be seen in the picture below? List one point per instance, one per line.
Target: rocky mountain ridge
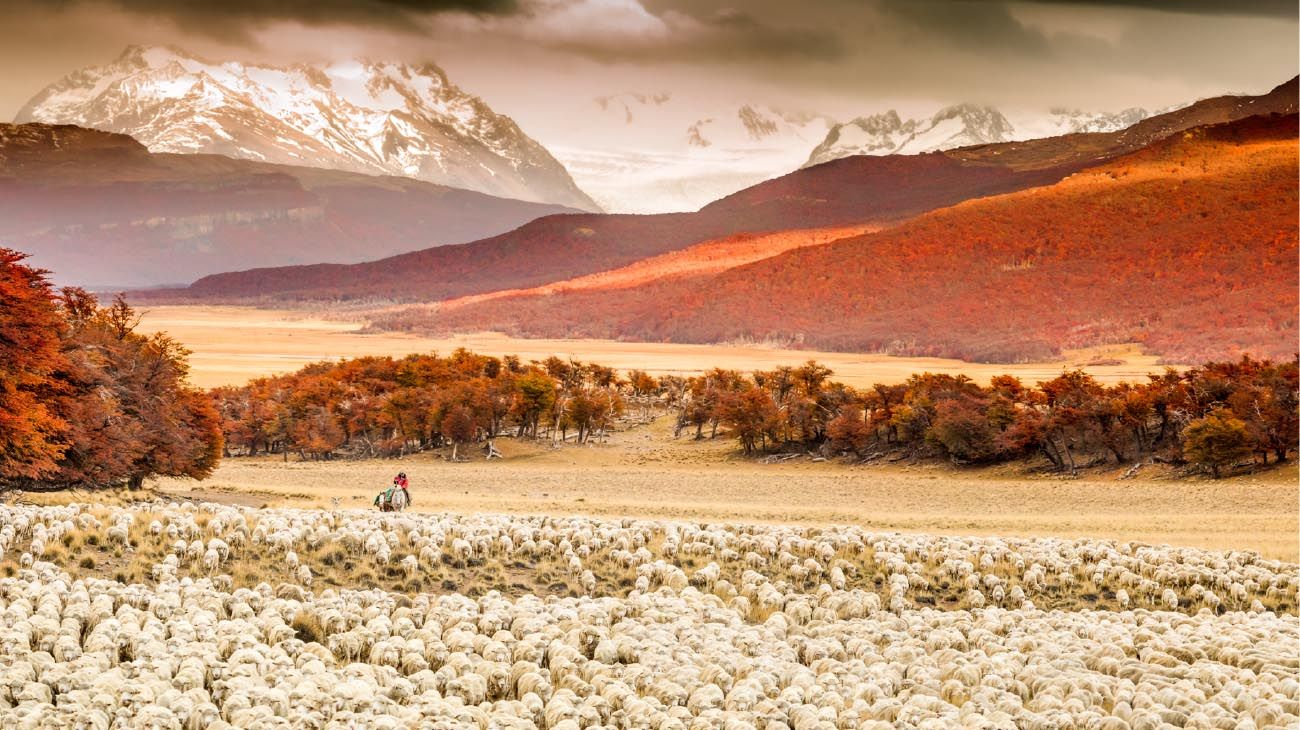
(357, 116)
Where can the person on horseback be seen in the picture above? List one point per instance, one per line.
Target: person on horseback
(397, 497)
(393, 500)
(401, 482)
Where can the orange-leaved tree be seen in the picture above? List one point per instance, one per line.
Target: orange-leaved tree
(33, 437)
(87, 401)
(1216, 441)
(131, 410)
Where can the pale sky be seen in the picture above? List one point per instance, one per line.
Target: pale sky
(539, 60)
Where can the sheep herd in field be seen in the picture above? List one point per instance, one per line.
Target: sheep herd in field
(208, 616)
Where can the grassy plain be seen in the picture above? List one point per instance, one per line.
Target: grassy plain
(232, 345)
(643, 472)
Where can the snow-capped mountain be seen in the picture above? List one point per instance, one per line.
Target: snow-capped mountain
(1070, 121)
(98, 209)
(359, 116)
(959, 126)
(664, 152)
(888, 134)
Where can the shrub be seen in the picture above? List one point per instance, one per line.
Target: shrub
(307, 628)
(1216, 441)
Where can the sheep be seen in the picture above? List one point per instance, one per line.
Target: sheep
(410, 565)
(1169, 598)
(211, 560)
(795, 639)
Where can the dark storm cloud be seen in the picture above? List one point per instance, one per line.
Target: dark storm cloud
(234, 18)
(744, 34)
(1265, 8)
(731, 31)
(645, 32)
(724, 35)
(307, 11)
(985, 26)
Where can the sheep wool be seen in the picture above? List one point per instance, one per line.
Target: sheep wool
(661, 625)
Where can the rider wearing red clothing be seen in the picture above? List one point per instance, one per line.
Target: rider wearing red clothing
(400, 481)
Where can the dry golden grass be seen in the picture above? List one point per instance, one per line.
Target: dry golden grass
(644, 473)
(232, 345)
(117, 496)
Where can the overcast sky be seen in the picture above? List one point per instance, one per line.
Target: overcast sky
(537, 59)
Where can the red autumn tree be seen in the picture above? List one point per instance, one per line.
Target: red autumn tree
(132, 411)
(849, 431)
(751, 415)
(87, 401)
(961, 426)
(458, 427)
(32, 435)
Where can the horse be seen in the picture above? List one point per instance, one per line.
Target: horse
(393, 499)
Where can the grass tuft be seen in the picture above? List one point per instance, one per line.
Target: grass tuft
(307, 628)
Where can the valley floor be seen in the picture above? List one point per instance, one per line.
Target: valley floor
(232, 345)
(644, 473)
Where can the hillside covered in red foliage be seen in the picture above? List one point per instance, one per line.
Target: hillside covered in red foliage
(844, 192)
(1188, 246)
(853, 190)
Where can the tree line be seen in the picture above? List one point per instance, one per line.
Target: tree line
(384, 406)
(1213, 416)
(85, 400)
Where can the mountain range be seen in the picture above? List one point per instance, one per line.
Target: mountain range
(355, 116)
(852, 191)
(1122, 214)
(633, 152)
(98, 209)
(960, 125)
(666, 152)
(956, 203)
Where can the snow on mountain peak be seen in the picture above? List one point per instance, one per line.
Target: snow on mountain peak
(358, 115)
(1076, 120)
(959, 125)
(886, 133)
(886, 121)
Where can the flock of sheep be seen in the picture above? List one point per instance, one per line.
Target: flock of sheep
(668, 625)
